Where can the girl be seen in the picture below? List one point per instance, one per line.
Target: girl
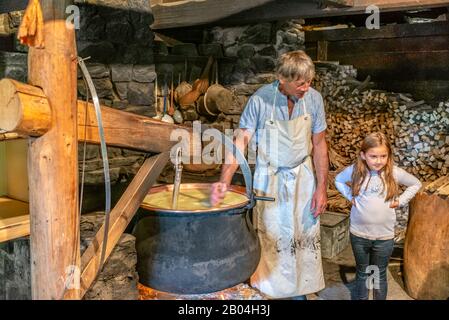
(372, 185)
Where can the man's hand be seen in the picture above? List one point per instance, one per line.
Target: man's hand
(321, 162)
(217, 193)
(319, 201)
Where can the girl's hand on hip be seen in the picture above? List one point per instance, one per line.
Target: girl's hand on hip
(394, 204)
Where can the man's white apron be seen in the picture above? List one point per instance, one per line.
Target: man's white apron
(290, 263)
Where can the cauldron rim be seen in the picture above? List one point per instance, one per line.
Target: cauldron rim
(230, 210)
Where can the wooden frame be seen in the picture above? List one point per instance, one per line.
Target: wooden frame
(25, 109)
(48, 112)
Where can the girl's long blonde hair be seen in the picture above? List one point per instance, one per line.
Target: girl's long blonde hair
(361, 169)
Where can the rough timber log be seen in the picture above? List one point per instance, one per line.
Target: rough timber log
(25, 109)
(53, 163)
(426, 254)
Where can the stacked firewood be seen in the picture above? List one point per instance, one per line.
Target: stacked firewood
(439, 187)
(419, 132)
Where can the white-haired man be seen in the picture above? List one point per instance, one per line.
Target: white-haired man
(288, 122)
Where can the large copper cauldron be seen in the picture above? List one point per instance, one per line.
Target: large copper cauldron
(196, 251)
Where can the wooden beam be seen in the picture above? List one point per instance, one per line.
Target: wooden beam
(339, 3)
(12, 5)
(24, 109)
(5, 28)
(322, 50)
(10, 136)
(14, 219)
(128, 5)
(120, 217)
(407, 4)
(293, 9)
(385, 32)
(127, 130)
(191, 12)
(53, 162)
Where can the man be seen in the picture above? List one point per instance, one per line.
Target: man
(288, 121)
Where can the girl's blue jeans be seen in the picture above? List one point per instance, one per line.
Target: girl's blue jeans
(371, 257)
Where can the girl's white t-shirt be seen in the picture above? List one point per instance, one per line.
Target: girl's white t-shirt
(371, 216)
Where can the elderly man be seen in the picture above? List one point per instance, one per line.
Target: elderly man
(288, 122)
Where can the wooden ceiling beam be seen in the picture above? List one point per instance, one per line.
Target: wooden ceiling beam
(339, 3)
(190, 12)
(290, 9)
(132, 5)
(12, 5)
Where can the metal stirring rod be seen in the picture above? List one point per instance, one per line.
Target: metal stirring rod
(177, 182)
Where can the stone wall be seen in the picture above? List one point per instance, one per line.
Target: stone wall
(120, 46)
(14, 65)
(248, 55)
(117, 280)
(15, 277)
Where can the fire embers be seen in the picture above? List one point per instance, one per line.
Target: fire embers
(241, 291)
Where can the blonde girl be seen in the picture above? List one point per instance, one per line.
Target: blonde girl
(372, 185)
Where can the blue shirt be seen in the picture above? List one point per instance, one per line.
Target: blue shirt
(260, 104)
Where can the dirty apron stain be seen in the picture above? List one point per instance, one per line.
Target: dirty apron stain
(289, 235)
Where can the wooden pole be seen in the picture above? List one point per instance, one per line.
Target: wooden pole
(53, 163)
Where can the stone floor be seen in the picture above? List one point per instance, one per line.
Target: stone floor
(339, 274)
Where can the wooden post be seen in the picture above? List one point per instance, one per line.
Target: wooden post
(321, 54)
(53, 165)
